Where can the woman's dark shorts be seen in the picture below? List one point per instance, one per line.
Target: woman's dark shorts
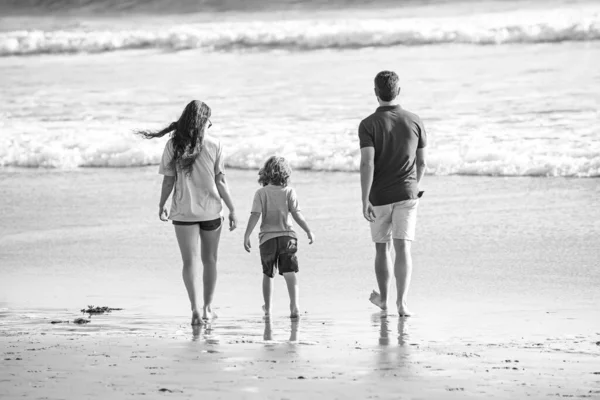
(204, 225)
(279, 253)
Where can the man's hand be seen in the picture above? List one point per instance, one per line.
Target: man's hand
(247, 245)
(369, 211)
(163, 213)
(232, 221)
(311, 237)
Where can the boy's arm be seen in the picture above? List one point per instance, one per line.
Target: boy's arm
(167, 187)
(223, 190)
(299, 218)
(252, 221)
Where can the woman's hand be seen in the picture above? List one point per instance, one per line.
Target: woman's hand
(232, 221)
(163, 213)
(311, 237)
(247, 245)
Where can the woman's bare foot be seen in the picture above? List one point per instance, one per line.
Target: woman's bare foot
(375, 298)
(208, 314)
(196, 318)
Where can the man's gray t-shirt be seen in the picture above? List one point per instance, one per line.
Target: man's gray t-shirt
(396, 134)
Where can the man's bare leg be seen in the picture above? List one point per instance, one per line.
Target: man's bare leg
(382, 272)
(403, 272)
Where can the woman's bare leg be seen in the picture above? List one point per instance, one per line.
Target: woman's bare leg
(188, 237)
(209, 249)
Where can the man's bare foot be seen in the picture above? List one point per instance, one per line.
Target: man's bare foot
(403, 310)
(196, 318)
(375, 298)
(267, 312)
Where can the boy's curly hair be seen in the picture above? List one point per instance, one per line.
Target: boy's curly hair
(276, 171)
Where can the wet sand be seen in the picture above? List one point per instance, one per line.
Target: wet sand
(81, 365)
(505, 291)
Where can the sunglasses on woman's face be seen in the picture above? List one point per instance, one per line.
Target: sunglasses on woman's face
(209, 124)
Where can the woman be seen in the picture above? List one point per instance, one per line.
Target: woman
(192, 164)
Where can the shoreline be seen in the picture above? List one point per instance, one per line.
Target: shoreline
(13, 169)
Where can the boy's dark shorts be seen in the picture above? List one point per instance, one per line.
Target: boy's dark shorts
(279, 253)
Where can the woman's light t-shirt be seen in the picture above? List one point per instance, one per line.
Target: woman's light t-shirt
(196, 197)
(275, 204)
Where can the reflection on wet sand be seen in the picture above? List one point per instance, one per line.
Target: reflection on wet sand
(385, 355)
(402, 331)
(294, 324)
(383, 321)
(202, 331)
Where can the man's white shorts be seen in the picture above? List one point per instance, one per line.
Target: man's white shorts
(395, 221)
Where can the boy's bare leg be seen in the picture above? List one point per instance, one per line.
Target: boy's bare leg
(294, 292)
(403, 272)
(382, 272)
(267, 292)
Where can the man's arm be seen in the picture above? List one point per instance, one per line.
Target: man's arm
(367, 168)
(421, 164)
(167, 187)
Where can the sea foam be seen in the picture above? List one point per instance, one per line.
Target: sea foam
(124, 150)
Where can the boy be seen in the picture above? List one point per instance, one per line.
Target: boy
(275, 201)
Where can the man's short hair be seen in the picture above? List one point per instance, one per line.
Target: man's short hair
(386, 84)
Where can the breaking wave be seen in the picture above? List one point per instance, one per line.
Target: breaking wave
(550, 26)
(118, 151)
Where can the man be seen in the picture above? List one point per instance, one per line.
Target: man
(392, 152)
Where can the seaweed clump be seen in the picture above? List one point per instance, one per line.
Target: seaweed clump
(91, 310)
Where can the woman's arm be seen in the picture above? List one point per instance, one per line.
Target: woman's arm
(226, 196)
(252, 221)
(167, 187)
(299, 218)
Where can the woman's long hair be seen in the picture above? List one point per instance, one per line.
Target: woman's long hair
(187, 136)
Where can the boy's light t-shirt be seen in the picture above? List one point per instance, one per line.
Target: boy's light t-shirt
(196, 197)
(275, 204)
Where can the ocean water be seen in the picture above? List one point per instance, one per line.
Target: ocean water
(504, 88)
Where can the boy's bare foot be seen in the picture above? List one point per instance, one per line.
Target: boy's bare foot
(375, 298)
(267, 312)
(403, 310)
(294, 313)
